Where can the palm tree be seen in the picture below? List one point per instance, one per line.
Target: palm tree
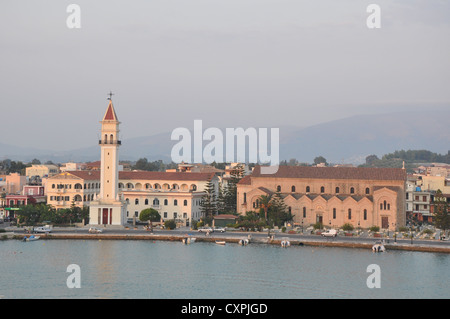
(265, 201)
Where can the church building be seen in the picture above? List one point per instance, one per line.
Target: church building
(332, 196)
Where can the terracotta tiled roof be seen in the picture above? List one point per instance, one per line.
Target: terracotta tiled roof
(146, 175)
(246, 180)
(310, 172)
(172, 176)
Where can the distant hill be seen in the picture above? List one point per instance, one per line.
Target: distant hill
(348, 140)
(351, 139)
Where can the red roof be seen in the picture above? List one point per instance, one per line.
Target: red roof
(110, 114)
(312, 172)
(147, 175)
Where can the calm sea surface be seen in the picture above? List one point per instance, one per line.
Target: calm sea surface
(157, 269)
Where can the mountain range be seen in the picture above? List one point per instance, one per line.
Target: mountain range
(348, 140)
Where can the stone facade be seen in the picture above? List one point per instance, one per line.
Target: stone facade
(334, 196)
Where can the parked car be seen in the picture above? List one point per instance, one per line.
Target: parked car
(44, 229)
(94, 230)
(205, 230)
(220, 229)
(330, 233)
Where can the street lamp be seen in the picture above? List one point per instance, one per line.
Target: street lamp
(302, 226)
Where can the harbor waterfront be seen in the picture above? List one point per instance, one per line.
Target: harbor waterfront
(161, 266)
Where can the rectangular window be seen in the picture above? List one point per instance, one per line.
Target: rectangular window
(334, 213)
(165, 214)
(304, 212)
(349, 213)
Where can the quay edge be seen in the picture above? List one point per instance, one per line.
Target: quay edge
(153, 237)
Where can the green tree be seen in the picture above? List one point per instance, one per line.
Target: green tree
(208, 205)
(279, 212)
(230, 191)
(151, 215)
(265, 202)
(441, 214)
(319, 160)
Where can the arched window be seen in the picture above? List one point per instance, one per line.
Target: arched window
(127, 200)
(384, 205)
(53, 185)
(278, 188)
(166, 202)
(352, 190)
(111, 139)
(106, 138)
(322, 189)
(337, 190)
(146, 201)
(136, 201)
(304, 212)
(349, 213)
(185, 202)
(156, 202)
(381, 206)
(367, 191)
(293, 189)
(365, 214)
(308, 189)
(334, 213)
(175, 202)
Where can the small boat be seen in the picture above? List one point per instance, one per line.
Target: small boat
(285, 243)
(31, 238)
(243, 242)
(378, 247)
(220, 242)
(188, 240)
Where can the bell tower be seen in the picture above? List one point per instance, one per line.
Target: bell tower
(108, 208)
(109, 145)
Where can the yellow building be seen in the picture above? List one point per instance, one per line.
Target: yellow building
(41, 170)
(115, 197)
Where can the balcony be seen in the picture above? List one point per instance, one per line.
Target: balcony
(114, 142)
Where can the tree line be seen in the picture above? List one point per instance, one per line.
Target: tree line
(34, 214)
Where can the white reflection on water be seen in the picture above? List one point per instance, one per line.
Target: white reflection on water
(149, 269)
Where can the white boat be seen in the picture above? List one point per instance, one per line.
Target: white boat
(378, 248)
(220, 242)
(285, 243)
(243, 242)
(188, 240)
(31, 238)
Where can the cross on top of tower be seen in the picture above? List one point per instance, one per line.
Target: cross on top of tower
(110, 95)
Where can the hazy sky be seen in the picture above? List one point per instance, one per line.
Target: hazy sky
(230, 63)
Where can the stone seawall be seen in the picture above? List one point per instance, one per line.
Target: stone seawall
(153, 237)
